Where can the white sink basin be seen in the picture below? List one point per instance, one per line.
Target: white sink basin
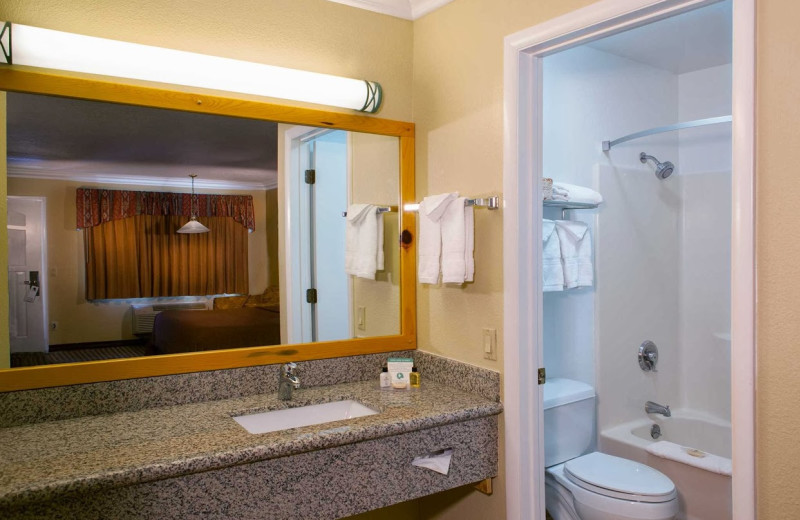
(303, 416)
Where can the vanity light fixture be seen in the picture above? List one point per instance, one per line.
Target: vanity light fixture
(37, 47)
(193, 226)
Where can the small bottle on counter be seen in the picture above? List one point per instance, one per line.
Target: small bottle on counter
(414, 377)
(386, 380)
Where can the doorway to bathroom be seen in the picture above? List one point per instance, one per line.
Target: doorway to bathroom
(586, 95)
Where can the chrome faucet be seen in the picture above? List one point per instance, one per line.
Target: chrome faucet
(651, 407)
(287, 381)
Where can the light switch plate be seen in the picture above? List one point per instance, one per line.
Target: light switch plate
(490, 344)
(361, 319)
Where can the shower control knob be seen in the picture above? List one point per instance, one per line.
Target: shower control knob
(648, 356)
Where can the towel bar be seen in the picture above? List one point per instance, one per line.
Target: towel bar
(492, 202)
(381, 209)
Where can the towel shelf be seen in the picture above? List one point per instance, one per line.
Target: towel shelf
(565, 205)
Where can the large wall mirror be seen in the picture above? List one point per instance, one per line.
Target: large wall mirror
(303, 257)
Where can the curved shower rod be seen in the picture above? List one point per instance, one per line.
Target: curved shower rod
(669, 128)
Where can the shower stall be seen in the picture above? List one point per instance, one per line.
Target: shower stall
(618, 111)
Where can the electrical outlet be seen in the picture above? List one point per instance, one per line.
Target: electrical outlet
(490, 344)
(361, 319)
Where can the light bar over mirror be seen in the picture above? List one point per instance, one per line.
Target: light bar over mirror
(37, 47)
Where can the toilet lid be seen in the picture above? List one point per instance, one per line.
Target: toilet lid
(619, 478)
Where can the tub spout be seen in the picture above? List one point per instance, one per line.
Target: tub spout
(651, 407)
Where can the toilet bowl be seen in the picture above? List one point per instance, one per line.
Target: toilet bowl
(594, 486)
(603, 487)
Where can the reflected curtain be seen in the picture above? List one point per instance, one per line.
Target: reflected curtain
(142, 256)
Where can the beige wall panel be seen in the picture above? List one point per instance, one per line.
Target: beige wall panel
(777, 251)
(375, 175)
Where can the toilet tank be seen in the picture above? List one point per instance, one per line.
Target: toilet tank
(569, 424)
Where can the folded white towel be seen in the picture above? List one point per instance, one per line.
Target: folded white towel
(576, 253)
(691, 457)
(457, 242)
(363, 241)
(574, 193)
(552, 270)
(431, 210)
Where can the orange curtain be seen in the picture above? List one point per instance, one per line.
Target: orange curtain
(142, 256)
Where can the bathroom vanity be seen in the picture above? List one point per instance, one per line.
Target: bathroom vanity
(194, 460)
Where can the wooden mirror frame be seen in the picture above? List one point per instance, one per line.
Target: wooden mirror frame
(51, 83)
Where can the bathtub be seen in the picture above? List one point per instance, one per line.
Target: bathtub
(702, 495)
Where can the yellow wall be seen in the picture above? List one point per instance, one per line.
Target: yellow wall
(458, 112)
(778, 319)
(312, 35)
(111, 319)
(375, 176)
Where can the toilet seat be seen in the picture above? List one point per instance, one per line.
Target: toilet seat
(619, 478)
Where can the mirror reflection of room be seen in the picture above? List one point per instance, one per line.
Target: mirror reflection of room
(98, 269)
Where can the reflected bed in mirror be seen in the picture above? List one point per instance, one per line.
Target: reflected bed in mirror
(97, 190)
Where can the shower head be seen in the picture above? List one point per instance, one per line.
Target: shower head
(663, 169)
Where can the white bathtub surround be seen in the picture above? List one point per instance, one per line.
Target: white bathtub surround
(575, 193)
(691, 457)
(695, 485)
(552, 270)
(576, 253)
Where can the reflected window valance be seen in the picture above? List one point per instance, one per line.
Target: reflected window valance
(97, 206)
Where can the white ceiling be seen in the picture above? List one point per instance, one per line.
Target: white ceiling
(89, 141)
(408, 9)
(692, 41)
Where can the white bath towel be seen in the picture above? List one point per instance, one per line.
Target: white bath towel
(431, 210)
(691, 456)
(363, 241)
(458, 231)
(552, 270)
(576, 253)
(574, 193)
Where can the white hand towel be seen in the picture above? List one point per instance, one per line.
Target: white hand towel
(573, 193)
(552, 270)
(691, 456)
(381, 255)
(363, 241)
(431, 210)
(454, 242)
(576, 253)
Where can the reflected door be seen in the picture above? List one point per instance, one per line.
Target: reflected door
(328, 198)
(26, 285)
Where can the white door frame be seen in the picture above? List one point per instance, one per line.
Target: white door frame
(522, 249)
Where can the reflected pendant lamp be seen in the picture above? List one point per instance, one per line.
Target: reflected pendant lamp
(193, 226)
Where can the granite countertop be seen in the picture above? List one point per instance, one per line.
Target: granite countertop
(44, 460)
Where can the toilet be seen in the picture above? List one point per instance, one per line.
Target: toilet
(583, 485)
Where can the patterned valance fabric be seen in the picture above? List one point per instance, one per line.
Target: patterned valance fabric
(97, 206)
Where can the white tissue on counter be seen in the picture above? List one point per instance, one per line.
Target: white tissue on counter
(438, 461)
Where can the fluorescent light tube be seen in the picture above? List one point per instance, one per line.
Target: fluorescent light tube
(50, 49)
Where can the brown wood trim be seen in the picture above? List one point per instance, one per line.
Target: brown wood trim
(45, 376)
(33, 80)
(100, 88)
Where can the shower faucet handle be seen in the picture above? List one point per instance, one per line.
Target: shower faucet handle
(648, 356)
